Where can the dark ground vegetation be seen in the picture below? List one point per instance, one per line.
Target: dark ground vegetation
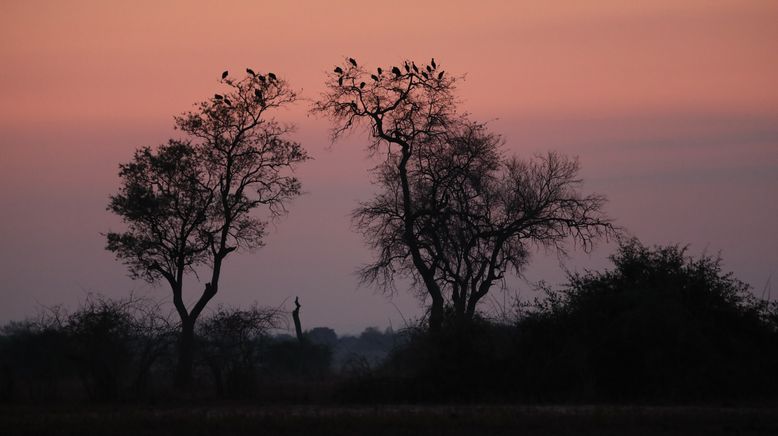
(389, 420)
(686, 345)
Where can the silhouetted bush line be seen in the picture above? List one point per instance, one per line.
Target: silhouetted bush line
(660, 326)
(105, 350)
(125, 350)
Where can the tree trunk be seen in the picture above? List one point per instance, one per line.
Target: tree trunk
(460, 304)
(471, 305)
(298, 328)
(427, 274)
(436, 315)
(185, 354)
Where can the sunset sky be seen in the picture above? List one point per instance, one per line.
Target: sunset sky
(671, 106)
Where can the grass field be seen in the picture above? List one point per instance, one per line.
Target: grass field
(483, 420)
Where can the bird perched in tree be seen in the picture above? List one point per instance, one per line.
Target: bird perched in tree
(250, 71)
(339, 70)
(224, 74)
(374, 77)
(229, 103)
(380, 71)
(396, 71)
(429, 69)
(407, 68)
(257, 93)
(425, 75)
(433, 64)
(361, 85)
(415, 68)
(352, 61)
(440, 76)
(217, 97)
(340, 81)
(271, 76)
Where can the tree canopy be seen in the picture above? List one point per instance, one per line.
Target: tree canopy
(452, 212)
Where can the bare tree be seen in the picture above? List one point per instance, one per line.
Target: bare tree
(191, 203)
(452, 213)
(405, 108)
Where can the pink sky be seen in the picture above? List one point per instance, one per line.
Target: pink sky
(671, 106)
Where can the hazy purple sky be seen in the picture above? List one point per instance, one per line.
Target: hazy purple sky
(671, 106)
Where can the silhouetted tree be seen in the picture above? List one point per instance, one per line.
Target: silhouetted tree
(453, 214)
(191, 203)
(404, 112)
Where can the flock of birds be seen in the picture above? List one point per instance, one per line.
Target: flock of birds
(397, 72)
(271, 77)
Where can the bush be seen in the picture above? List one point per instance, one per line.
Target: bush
(660, 325)
(116, 343)
(231, 344)
(292, 359)
(33, 359)
(459, 363)
(109, 347)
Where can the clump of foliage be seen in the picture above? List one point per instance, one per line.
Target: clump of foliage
(231, 345)
(109, 348)
(661, 324)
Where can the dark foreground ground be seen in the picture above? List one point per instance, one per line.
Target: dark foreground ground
(387, 420)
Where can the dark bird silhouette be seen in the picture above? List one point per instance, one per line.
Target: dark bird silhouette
(250, 71)
(229, 103)
(396, 71)
(353, 62)
(271, 76)
(339, 70)
(374, 77)
(261, 78)
(224, 74)
(440, 76)
(415, 68)
(433, 64)
(217, 96)
(380, 71)
(429, 69)
(340, 81)
(407, 68)
(425, 75)
(361, 85)
(257, 93)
